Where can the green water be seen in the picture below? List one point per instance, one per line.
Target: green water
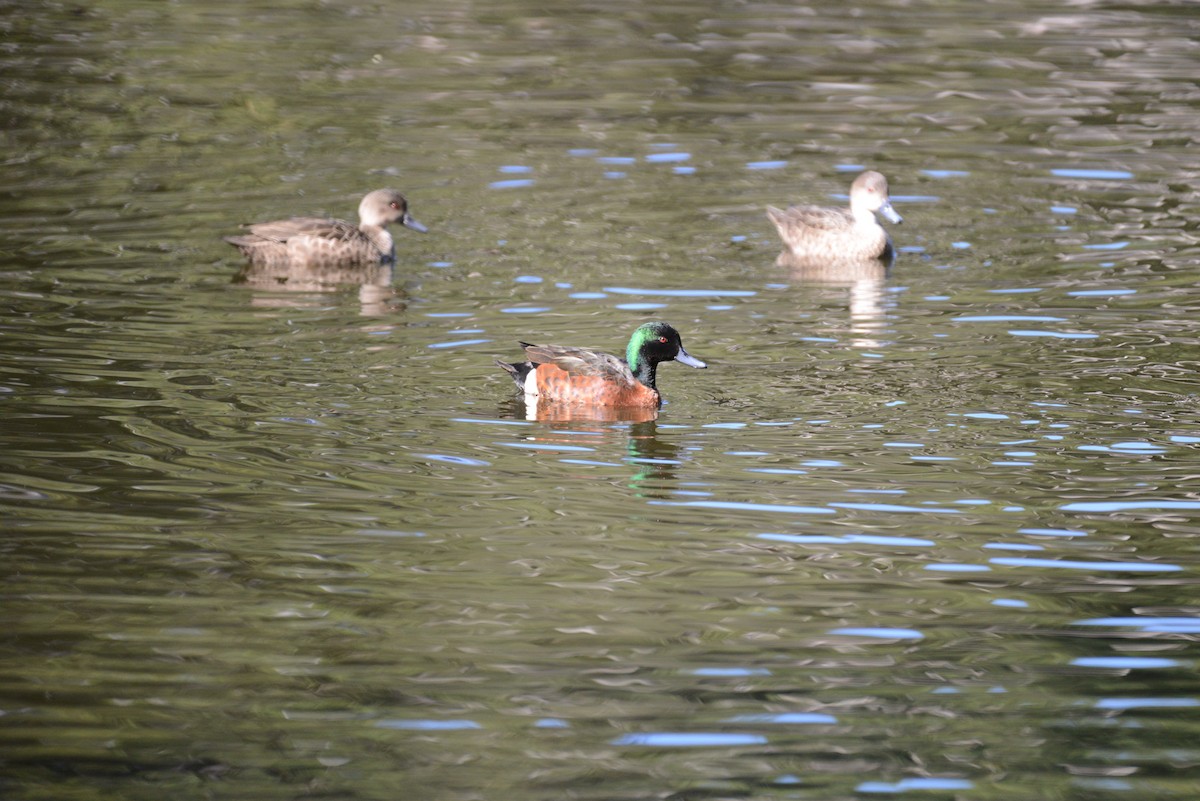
(929, 533)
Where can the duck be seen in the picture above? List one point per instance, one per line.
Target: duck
(321, 242)
(853, 233)
(559, 374)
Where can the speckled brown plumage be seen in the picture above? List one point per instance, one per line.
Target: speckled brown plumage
(818, 232)
(316, 242)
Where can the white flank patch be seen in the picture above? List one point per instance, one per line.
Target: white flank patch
(531, 390)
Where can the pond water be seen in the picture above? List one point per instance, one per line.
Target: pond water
(929, 533)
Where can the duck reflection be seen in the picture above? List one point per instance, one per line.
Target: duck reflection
(557, 412)
(301, 285)
(656, 460)
(863, 278)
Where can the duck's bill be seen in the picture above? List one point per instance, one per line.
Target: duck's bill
(409, 222)
(890, 214)
(686, 358)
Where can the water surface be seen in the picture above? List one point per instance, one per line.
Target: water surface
(923, 532)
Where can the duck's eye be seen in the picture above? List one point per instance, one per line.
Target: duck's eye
(663, 340)
(394, 204)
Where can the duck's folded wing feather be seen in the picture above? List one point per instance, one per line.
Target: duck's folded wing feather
(812, 217)
(319, 227)
(581, 362)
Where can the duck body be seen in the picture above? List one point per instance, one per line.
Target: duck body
(318, 242)
(853, 233)
(559, 374)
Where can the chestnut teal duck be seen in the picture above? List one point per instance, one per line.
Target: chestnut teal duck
(560, 374)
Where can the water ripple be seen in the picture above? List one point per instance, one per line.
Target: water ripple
(865, 539)
(428, 725)
(878, 633)
(667, 739)
(1160, 625)
(1007, 318)
(785, 719)
(1126, 662)
(1068, 564)
(904, 785)
(683, 293)
(893, 507)
(743, 506)
(1127, 506)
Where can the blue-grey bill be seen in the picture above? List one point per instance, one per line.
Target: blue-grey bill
(890, 214)
(688, 359)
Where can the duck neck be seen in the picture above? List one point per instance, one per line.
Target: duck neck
(642, 368)
(381, 238)
(862, 215)
(646, 372)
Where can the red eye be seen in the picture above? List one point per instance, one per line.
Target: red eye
(394, 205)
(662, 340)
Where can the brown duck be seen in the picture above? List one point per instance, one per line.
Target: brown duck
(329, 243)
(817, 232)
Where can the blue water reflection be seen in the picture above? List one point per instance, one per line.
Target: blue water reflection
(458, 460)
(905, 785)
(1098, 174)
(747, 506)
(1073, 564)
(866, 539)
(786, 719)
(1128, 506)
(551, 723)
(1053, 532)
(654, 158)
(512, 183)
(690, 740)
(1126, 662)
(302, 538)
(429, 725)
(878, 633)
(1162, 625)
(683, 293)
(1147, 703)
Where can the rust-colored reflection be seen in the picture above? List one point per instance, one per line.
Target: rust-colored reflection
(654, 460)
(552, 412)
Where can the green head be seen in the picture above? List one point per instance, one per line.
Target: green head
(653, 343)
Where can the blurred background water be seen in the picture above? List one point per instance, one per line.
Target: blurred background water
(930, 533)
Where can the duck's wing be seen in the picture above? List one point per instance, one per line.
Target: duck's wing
(317, 227)
(581, 362)
(810, 217)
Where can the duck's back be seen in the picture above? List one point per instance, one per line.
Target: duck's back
(310, 241)
(582, 362)
(284, 230)
(819, 232)
(818, 217)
